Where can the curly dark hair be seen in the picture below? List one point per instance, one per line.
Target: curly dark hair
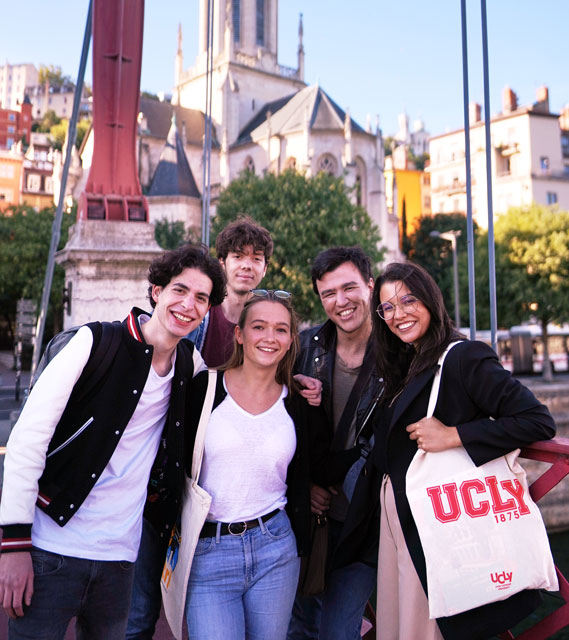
(331, 259)
(284, 374)
(396, 361)
(196, 256)
(241, 233)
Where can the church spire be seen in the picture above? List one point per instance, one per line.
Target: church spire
(300, 69)
(179, 59)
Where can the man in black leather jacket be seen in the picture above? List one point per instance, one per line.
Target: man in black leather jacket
(337, 353)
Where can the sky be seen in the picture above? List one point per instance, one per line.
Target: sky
(371, 56)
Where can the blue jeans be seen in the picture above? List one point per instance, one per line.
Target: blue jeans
(97, 592)
(146, 594)
(242, 587)
(337, 613)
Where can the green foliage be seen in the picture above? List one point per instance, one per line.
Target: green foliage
(149, 95)
(435, 254)
(49, 120)
(536, 242)
(304, 216)
(169, 235)
(57, 129)
(419, 161)
(388, 145)
(25, 237)
(53, 76)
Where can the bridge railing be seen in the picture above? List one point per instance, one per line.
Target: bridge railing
(556, 453)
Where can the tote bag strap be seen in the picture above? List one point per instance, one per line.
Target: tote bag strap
(199, 443)
(437, 381)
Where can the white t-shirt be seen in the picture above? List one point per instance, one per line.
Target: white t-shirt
(108, 524)
(246, 459)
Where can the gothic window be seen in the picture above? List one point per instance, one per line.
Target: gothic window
(236, 18)
(360, 182)
(327, 163)
(358, 188)
(260, 23)
(249, 165)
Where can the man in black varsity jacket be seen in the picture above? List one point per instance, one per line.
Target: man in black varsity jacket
(76, 472)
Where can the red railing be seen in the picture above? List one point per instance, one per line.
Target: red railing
(556, 453)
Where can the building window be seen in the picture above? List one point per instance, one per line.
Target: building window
(544, 164)
(260, 22)
(236, 18)
(12, 117)
(33, 182)
(551, 197)
(290, 163)
(249, 165)
(327, 163)
(11, 129)
(9, 143)
(49, 185)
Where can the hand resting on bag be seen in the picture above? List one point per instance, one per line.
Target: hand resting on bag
(432, 435)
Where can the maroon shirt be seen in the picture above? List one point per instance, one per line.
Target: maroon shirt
(218, 344)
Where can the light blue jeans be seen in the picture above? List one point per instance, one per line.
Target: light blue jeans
(243, 587)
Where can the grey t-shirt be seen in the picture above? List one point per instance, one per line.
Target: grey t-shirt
(342, 384)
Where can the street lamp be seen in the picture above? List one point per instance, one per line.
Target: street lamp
(451, 236)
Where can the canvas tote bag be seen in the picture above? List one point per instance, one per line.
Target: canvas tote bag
(483, 536)
(184, 539)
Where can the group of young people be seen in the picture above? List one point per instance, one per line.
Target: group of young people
(93, 483)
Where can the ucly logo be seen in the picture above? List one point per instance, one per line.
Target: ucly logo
(476, 498)
(504, 579)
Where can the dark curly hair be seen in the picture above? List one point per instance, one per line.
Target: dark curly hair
(195, 256)
(241, 233)
(331, 259)
(396, 361)
(284, 374)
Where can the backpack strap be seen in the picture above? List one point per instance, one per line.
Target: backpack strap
(106, 341)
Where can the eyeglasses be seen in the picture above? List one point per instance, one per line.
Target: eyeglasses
(407, 304)
(271, 293)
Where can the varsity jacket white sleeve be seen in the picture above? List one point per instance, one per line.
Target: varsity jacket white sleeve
(32, 433)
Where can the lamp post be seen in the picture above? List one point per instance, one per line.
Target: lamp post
(451, 236)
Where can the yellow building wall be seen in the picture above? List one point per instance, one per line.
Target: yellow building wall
(409, 188)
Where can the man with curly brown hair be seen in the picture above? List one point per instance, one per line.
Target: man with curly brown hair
(76, 472)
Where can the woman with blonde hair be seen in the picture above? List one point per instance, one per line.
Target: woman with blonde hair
(245, 569)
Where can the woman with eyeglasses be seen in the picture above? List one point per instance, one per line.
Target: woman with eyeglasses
(411, 330)
(245, 569)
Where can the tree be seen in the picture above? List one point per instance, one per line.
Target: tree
(535, 242)
(435, 254)
(304, 215)
(169, 235)
(53, 76)
(25, 237)
(405, 243)
(49, 120)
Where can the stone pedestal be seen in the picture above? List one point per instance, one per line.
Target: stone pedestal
(106, 268)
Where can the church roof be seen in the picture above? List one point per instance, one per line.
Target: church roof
(290, 114)
(173, 176)
(159, 118)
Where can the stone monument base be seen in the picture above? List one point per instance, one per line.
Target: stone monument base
(106, 268)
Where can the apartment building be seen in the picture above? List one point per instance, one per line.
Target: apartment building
(529, 156)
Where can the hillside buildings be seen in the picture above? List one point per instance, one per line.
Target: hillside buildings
(530, 159)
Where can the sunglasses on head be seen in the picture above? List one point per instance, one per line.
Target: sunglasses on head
(271, 293)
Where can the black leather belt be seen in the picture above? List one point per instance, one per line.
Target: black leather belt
(209, 530)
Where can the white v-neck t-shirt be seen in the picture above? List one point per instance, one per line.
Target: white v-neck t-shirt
(246, 460)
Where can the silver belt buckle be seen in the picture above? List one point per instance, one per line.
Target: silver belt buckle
(243, 524)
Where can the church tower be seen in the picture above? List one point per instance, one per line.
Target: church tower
(246, 72)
